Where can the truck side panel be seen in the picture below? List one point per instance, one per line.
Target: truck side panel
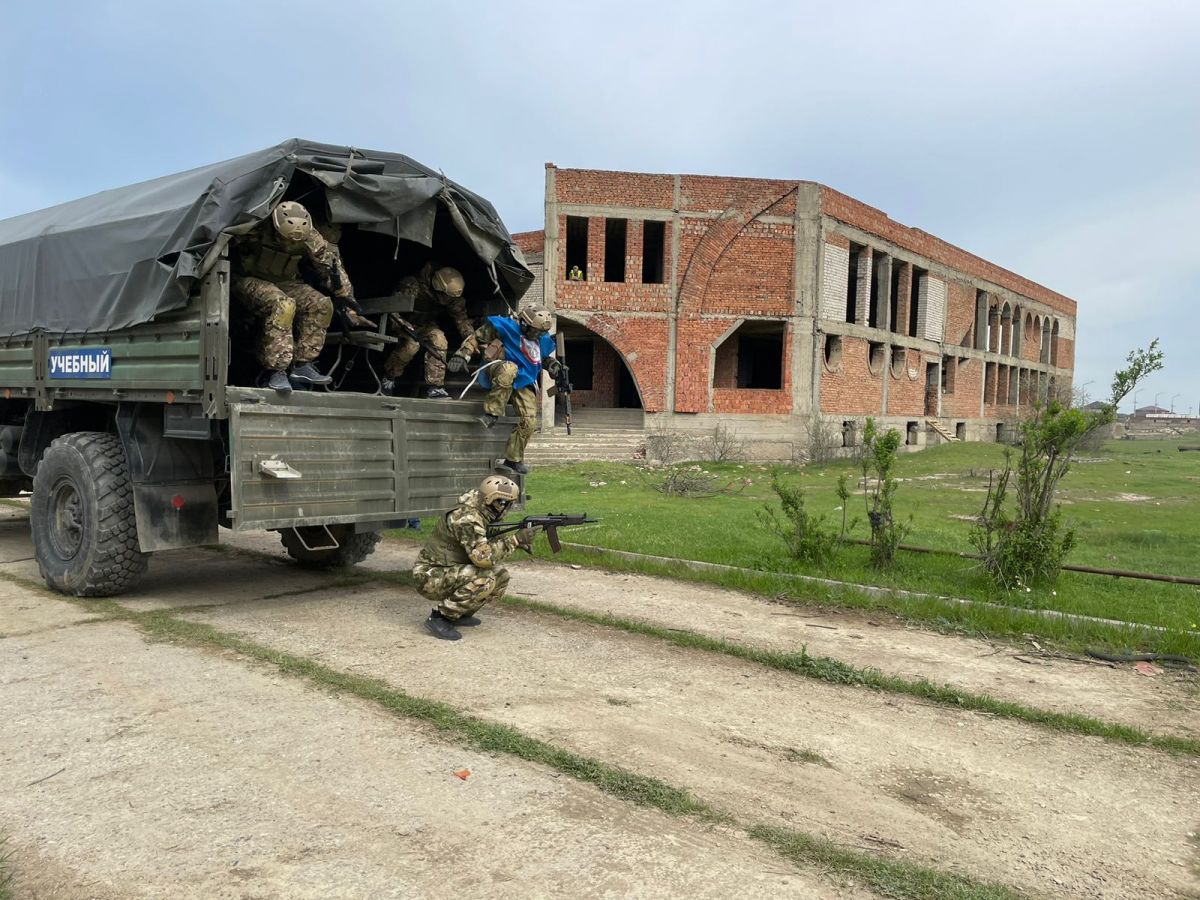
(319, 458)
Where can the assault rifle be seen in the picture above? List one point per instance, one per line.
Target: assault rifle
(562, 381)
(549, 524)
(409, 329)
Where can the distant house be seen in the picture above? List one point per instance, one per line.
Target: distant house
(1095, 406)
(1144, 411)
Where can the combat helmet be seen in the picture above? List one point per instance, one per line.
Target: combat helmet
(292, 221)
(498, 494)
(449, 281)
(536, 318)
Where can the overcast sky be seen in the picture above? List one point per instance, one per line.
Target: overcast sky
(1058, 139)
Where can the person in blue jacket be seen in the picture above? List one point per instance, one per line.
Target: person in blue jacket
(527, 348)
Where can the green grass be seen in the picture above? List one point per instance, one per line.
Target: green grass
(6, 873)
(892, 878)
(939, 484)
(833, 671)
(885, 876)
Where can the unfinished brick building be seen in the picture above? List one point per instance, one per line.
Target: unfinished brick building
(772, 305)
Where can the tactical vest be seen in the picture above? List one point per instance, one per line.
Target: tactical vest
(444, 549)
(271, 261)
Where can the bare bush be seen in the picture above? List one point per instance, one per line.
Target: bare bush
(725, 444)
(824, 441)
(695, 481)
(664, 445)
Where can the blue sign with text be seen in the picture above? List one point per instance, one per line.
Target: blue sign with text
(81, 362)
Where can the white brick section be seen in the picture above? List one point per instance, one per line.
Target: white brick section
(931, 308)
(833, 283)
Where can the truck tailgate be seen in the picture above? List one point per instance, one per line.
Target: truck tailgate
(312, 458)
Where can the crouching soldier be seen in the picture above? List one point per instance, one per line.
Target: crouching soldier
(527, 348)
(459, 567)
(433, 290)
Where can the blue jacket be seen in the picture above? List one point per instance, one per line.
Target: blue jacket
(527, 354)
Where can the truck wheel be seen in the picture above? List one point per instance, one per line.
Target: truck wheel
(353, 549)
(84, 530)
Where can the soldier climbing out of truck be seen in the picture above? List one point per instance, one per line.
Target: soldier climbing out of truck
(527, 350)
(295, 316)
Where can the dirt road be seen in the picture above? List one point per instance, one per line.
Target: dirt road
(169, 765)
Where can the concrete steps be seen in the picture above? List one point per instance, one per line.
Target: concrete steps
(586, 443)
(942, 429)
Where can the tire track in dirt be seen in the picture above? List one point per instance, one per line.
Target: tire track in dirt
(190, 773)
(966, 792)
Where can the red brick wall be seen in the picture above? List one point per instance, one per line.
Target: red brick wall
(754, 275)
(906, 396)
(596, 294)
(530, 241)
(963, 403)
(853, 212)
(726, 400)
(642, 343)
(960, 314)
(853, 390)
(596, 187)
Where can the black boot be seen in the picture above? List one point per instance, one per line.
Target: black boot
(276, 380)
(306, 373)
(487, 420)
(441, 627)
(468, 620)
(436, 392)
(519, 467)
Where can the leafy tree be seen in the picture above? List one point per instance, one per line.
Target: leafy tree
(1028, 544)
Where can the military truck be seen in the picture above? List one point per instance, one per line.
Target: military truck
(127, 399)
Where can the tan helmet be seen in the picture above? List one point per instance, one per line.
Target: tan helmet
(448, 281)
(536, 317)
(292, 221)
(499, 493)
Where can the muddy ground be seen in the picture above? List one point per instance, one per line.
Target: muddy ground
(131, 768)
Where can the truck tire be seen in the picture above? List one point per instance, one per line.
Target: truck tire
(84, 529)
(353, 549)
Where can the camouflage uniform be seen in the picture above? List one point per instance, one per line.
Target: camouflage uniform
(502, 375)
(267, 282)
(458, 569)
(427, 304)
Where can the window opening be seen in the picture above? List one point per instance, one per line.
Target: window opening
(833, 350)
(751, 358)
(877, 259)
(875, 357)
(960, 430)
(852, 284)
(911, 432)
(580, 357)
(894, 306)
(899, 358)
(577, 247)
(849, 434)
(615, 232)
(914, 299)
(654, 242)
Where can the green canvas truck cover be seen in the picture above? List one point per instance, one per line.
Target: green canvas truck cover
(121, 257)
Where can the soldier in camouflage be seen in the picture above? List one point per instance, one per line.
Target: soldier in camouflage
(527, 347)
(433, 289)
(267, 281)
(459, 567)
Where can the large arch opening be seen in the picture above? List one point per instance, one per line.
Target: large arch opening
(602, 378)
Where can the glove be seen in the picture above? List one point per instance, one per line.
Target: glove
(348, 303)
(525, 538)
(456, 364)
